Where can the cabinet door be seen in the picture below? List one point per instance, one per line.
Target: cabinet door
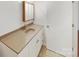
(35, 45)
(39, 43)
(38, 46)
(24, 52)
(29, 50)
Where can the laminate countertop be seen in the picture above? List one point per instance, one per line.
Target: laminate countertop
(20, 38)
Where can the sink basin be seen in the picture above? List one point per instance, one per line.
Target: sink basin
(29, 29)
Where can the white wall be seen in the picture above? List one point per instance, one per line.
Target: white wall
(40, 12)
(10, 16)
(58, 17)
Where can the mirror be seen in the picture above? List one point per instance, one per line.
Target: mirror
(28, 11)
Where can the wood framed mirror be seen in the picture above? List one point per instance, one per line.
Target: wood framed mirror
(28, 11)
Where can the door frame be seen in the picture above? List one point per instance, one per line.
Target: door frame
(75, 42)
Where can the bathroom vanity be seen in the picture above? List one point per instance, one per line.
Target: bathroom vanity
(25, 42)
(21, 39)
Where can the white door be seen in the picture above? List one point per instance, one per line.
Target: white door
(59, 33)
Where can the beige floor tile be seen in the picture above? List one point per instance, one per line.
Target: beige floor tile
(48, 53)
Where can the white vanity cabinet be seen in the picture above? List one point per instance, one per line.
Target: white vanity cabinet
(33, 47)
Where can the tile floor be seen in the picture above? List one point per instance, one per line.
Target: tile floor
(48, 53)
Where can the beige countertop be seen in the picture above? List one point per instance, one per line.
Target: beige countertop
(19, 39)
